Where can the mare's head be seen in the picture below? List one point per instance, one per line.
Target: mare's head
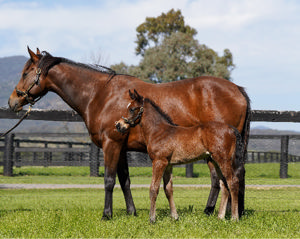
(31, 86)
(134, 113)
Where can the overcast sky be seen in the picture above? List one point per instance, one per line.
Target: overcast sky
(263, 35)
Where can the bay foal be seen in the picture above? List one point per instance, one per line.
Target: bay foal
(169, 144)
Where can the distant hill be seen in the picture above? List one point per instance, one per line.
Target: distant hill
(10, 68)
(265, 130)
(10, 73)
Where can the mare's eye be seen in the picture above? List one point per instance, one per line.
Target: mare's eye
(131, 110)
(24, 74)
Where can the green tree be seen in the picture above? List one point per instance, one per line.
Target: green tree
(155, 29)
(170, 52)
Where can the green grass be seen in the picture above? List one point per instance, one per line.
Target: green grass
(264, 173)
(75, 213)
(69, 213)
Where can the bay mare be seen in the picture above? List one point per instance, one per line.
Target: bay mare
(169, 144)
(101, 97)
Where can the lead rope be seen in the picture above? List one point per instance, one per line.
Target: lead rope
(19, 122)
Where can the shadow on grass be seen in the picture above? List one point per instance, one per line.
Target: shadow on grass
(4, 212)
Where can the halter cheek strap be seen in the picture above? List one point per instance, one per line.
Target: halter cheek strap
(26, 93)
(132, 122)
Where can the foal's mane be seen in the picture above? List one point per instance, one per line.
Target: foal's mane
(47, 61)
(160, 111)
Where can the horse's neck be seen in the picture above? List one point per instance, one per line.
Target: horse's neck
(75, 86)
(153, 122)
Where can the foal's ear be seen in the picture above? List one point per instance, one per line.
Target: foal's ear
(38, 51)
(135, 95)
(132, 96)
(138, 97)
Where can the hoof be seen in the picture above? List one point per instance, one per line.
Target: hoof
(106, 217)
(175, 217)
(132, 214)
(209, 210)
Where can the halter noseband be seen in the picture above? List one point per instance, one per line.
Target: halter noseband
(132, 122)
(26, 93)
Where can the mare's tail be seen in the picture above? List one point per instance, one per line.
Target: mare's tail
(239, 149)
(246, 128)
(241, 152)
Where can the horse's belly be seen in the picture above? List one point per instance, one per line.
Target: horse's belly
(184, 157)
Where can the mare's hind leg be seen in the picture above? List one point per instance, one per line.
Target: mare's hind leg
(168, 187)
(241, 176)
(214, 190)
(158, 168)
(123, 175)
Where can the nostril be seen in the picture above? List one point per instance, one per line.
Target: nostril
(11, 104)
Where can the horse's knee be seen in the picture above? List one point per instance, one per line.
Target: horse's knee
(153, 192)
(109, 183)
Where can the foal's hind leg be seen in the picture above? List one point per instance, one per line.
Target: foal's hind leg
(168, 187)
(224, 200)
(234, 192)
(214, 191)
(158, 168)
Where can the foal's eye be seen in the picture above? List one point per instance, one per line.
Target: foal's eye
(131, 110)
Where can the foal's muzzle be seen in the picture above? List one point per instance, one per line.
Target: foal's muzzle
(121, 126)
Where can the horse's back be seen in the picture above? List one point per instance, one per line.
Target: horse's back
(199, 100)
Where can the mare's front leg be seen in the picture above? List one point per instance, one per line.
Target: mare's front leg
(158, 168)
(168, 187)
(111, 152)
(214, 190)
(123, 175)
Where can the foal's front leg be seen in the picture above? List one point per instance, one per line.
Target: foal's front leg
(168, 187)
(158, 168)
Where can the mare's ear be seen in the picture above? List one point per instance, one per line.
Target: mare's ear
(33, 56)
(38, 51)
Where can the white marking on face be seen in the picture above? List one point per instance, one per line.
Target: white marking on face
(128, 105)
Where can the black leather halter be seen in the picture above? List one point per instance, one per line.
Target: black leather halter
(26, 93)
(132, 122)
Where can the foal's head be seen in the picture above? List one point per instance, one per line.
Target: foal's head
(134, 113)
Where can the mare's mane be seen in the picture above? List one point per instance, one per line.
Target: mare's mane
(47, 61)
(160, 111)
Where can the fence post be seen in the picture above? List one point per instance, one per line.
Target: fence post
(8, 155)
(189, 168)
(94, 160)
(284, 156)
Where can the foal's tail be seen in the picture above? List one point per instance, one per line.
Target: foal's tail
(246, 128)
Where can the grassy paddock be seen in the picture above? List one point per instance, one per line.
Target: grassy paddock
(264, 173)
(74, 213)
